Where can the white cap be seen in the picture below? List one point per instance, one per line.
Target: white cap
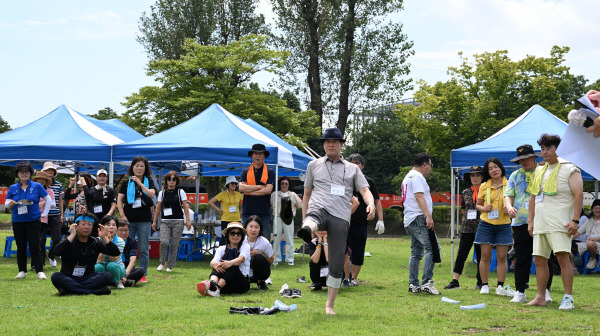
(230, 179)
(101, 171)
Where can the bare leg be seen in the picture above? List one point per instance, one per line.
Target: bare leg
(541, 275)
(566, 272)
(455, 276)
(355, 271)
(572, 260)
(501, 251)
(484, 264)
(331, 295)
(221, 283)
(592, 248)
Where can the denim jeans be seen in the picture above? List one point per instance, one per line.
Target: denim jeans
(143, 236)
(419, 242)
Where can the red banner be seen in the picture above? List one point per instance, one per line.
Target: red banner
(3, 192)
(203, 198)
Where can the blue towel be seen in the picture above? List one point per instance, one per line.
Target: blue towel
(131, 189)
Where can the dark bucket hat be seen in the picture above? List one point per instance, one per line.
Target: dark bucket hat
(259, 148)
(524, 152)
(332, 133)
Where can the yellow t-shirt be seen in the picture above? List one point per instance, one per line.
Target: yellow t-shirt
(497, 201)
(228, 201)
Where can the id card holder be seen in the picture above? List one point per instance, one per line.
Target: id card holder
(232, 208)
(471, 214)
(337, 190)
(167, 211)
(324, 272)
(494, 214)
(137, 203)
(98, 208)
(540, 197)
(78, 271)
(22, 210)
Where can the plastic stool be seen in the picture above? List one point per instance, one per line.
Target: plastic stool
(282, 250)
(8, 251)
(586, 258)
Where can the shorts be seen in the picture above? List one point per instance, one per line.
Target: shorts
(545, 243)
(582, 247)
(493, 234)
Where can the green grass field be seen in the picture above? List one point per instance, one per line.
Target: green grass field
(169, 304)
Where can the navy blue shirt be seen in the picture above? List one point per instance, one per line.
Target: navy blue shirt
(33, 193)
(257, 205)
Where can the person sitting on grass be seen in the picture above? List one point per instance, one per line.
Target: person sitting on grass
(261, 252)
(79, 252)
(129, 255)
(230, 264)
(319, 257)
(591, 229)
(112, 264)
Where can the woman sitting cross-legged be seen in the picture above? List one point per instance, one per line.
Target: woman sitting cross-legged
(231, 264)
(112, 264)
(261, 252)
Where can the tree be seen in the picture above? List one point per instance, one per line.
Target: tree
(386, 146)
(438, 180)
(216, 74)
(351, 53)
(105, 114)
(209, 22)
(485, 95)
(7, 174)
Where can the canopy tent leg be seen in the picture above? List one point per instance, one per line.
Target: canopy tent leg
(111, 170)
(275, 214)
(452, 218)
(596, 189)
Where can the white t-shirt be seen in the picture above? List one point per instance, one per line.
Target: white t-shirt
(244, 250)
(413, 183)
(261, 244)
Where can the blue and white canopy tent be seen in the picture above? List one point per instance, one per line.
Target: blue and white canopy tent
(526, 129)
(67, 137)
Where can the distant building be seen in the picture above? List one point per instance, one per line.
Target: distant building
(371, 116)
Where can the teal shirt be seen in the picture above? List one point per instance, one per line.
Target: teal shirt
(121, 245)
(517, 184)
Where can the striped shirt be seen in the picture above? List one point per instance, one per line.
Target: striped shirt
(58, 193)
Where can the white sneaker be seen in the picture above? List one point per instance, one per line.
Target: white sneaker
(169, 269)
(269, 281)
(275, 263)
(567, 303)
(291, 263)
(548, 298)
(283, 287)
(592, 263)
(52, 262)
(215, 293)
(429, 288)
(519, 298)
(160, 267)
(485, 289)
(21, 275)
(120, 285)
(505, 291)
(41, 276)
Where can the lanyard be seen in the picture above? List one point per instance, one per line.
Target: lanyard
(331, 177)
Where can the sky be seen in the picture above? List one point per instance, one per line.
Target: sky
(84, 53)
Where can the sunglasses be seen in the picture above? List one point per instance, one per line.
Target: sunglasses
(172, 179)
(284, 183)
(236, 233)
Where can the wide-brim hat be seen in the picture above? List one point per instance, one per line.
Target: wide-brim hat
(234, 225)
(524, 152)
(474, 169)
(259, 148)
(38, 177)
(332, 133)
(230, 179)
(50, 165)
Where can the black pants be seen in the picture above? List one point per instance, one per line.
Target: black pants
(136, 274)
(80, 285)
(28, 232)
(464, 247)
(261, 268)
(235, 281)
(315, 273)
(357, 240)
(43, 230)
(523, 252)
(54, 225)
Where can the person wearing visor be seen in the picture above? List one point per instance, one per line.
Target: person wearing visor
(230, 201)
(79, 253)
(470, 222)
(23, 198)
(103, 199)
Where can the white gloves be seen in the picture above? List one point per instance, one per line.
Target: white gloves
(379, 227)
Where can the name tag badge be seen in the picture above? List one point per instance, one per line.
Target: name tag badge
(539, 198)
(168, 211)
(137, 203)
(494, 214)
(232, 208)
(471, 214)
(97, 208)
(324, 272)
(22, 210)
(78, 271)
(337, 190)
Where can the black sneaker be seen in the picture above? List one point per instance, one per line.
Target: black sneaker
(296, 293)
(129, 283)
(346, 283)
(453, 284)
(317, 288)
(102, 291)
(262, 286)
(287, 293)
(305, 234)
(62, 292)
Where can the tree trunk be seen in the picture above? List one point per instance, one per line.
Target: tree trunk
(309, 10)
(346, 65)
